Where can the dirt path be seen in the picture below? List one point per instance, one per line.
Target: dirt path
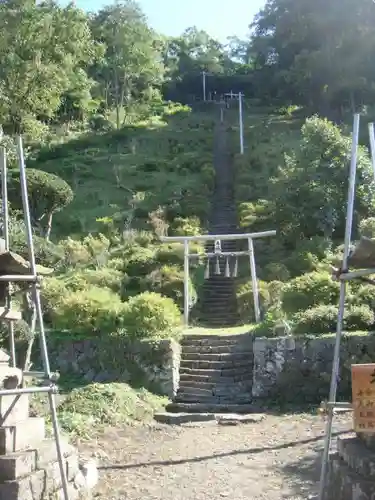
(275, 459)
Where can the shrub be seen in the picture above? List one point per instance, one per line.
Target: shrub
(245, 300)
(323, 319)
(189, 226)
(74, 252)
(365, 295)
(317, 320)
(140, 262)
(358, 318)
(274, 324)
(96, 310)
(255, 215)
(47, 192)
(310, 290)
(367, 227)
(149, 313)
(46, 252)
(276, 271)
(275, 290)
(169, 281)
(52, 291)
(170, 253)
(103, 277)
(117, 264)
(173, 253)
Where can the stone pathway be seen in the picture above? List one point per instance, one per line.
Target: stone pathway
(277, 458)
(216, 374)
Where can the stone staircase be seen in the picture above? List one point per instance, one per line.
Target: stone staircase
(351, 469)
(216, 374)
(217, 302)
(29, 468)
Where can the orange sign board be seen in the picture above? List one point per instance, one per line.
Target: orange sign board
(363, 394)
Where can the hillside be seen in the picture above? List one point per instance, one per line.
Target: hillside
(158, 176)
(129, 173)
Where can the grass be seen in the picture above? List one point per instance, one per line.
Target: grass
(88, 410)
(169, 163)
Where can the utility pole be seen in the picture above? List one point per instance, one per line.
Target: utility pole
(204, 85)
(240, 95)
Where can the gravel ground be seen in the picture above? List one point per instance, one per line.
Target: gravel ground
(278, 458)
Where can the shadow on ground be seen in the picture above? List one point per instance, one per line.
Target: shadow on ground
(304, 466)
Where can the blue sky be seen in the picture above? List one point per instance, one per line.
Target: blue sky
(171, 17)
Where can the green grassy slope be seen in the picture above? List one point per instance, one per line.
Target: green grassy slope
(169, 163)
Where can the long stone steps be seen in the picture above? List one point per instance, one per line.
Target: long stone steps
(217, 301)
(209, 408)
(216, 373)
(212, 400)
(230, 365)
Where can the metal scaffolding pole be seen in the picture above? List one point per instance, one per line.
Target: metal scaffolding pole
(31, 278)
(336, 355)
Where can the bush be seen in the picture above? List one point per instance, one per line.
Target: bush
(367, 227)
(189, 226)
(74, 252)
(47, 192)
(317, 320)
(169, 281)
(140, 262)
(52, 291)
(46, 253)
(307, 255)
(173, 254)
(273, 325)
(309, 290)
(275, 290)
(323, 319)
(276, 271)
(365, 295)
(170, 253)
(358, 318)
(149, 314)
(102, 277)
(245, 300)
(96, 310)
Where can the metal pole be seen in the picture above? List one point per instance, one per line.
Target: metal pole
(4, 194)
(186, 283)
(372, 145)
(254, 280)
(18, 278)
(26, 208)
(336, 355)
(28, 390)
(241, 121)
(36, 297)
(204, 85)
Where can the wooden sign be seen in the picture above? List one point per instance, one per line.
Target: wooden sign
(363, 394)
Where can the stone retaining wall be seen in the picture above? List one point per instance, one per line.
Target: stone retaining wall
(154, 363)
(296, 369)
(286, 368)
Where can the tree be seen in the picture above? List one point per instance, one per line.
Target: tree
(319, 52)
(47, 194)
(131, 59)
(41, 46)
(310, 191)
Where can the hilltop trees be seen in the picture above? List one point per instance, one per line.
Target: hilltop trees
(132, 61)
(42, 50)
(319, 53)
